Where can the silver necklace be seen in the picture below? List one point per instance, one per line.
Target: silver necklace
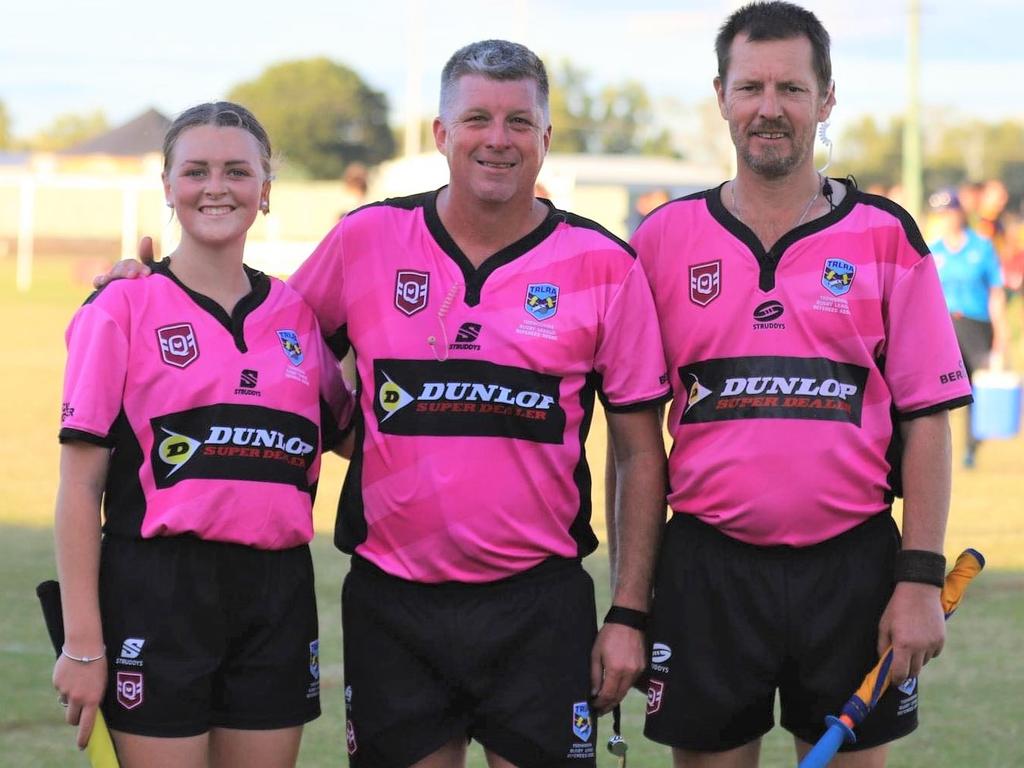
(807, 208)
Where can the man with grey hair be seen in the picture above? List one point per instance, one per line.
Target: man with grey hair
(484, 322)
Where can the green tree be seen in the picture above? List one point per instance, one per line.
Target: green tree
(572, 110)
(980, 150)
(870, 151)
(627, 120)
(69, 129)
(320, 115)
(965, 150)
(620, 119)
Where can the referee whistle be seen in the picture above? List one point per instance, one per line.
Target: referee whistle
(616, 744)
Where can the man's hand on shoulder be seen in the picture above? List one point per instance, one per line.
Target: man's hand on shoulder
(129, 268)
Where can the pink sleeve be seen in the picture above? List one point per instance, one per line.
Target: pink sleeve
(94, 378)
(630, 356)
(320, 281)
(922, 360)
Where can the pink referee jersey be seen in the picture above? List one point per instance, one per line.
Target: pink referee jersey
(215, 421)
(789, 368)
(477, 385)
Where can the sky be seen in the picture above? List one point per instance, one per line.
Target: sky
(122, 56)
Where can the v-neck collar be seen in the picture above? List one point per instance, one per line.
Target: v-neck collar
(235, 322)
(769, 260)
(476, 276)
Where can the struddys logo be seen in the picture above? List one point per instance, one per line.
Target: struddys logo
(467, 337)
(412, 291)
(131, 650)
(660, 655)
(541, 300)
(815, 388)
(705, 282)
(837, 276)
(233, 442)
(291, 347)
(178, 346)
(466, 397)
(767, 316)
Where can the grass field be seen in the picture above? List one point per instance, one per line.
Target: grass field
(971, 695)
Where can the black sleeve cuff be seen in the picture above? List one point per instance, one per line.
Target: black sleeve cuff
(77, 435)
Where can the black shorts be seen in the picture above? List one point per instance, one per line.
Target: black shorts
(506, 663)
(205, 634)
(732, 622)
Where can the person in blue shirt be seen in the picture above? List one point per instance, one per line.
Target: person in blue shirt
(972, 282)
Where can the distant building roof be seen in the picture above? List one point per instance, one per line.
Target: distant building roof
(139, 136)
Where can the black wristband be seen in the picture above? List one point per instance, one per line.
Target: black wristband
(630, 617)
(921, 566)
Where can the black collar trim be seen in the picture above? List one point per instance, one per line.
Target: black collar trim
(475, 277)
(769, 260)
(235, 322)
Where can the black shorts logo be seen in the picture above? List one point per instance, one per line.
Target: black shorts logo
(233, 442)
(466, 397)
(817, 388)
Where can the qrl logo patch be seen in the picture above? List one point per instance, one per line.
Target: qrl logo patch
(178, 345)
(290, 345)
(581, 723)
(350, 737)
(705, 282)
(541, 300)
(655, 692)
(129, 689)
(411, 291)
(837, 276)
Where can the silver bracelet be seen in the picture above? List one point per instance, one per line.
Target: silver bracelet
(84, 659)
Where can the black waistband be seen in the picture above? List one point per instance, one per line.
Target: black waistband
(876, 525)
(552, 567)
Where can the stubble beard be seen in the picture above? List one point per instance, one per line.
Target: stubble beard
(770, 164)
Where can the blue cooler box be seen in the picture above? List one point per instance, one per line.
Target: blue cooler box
(995, 412)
